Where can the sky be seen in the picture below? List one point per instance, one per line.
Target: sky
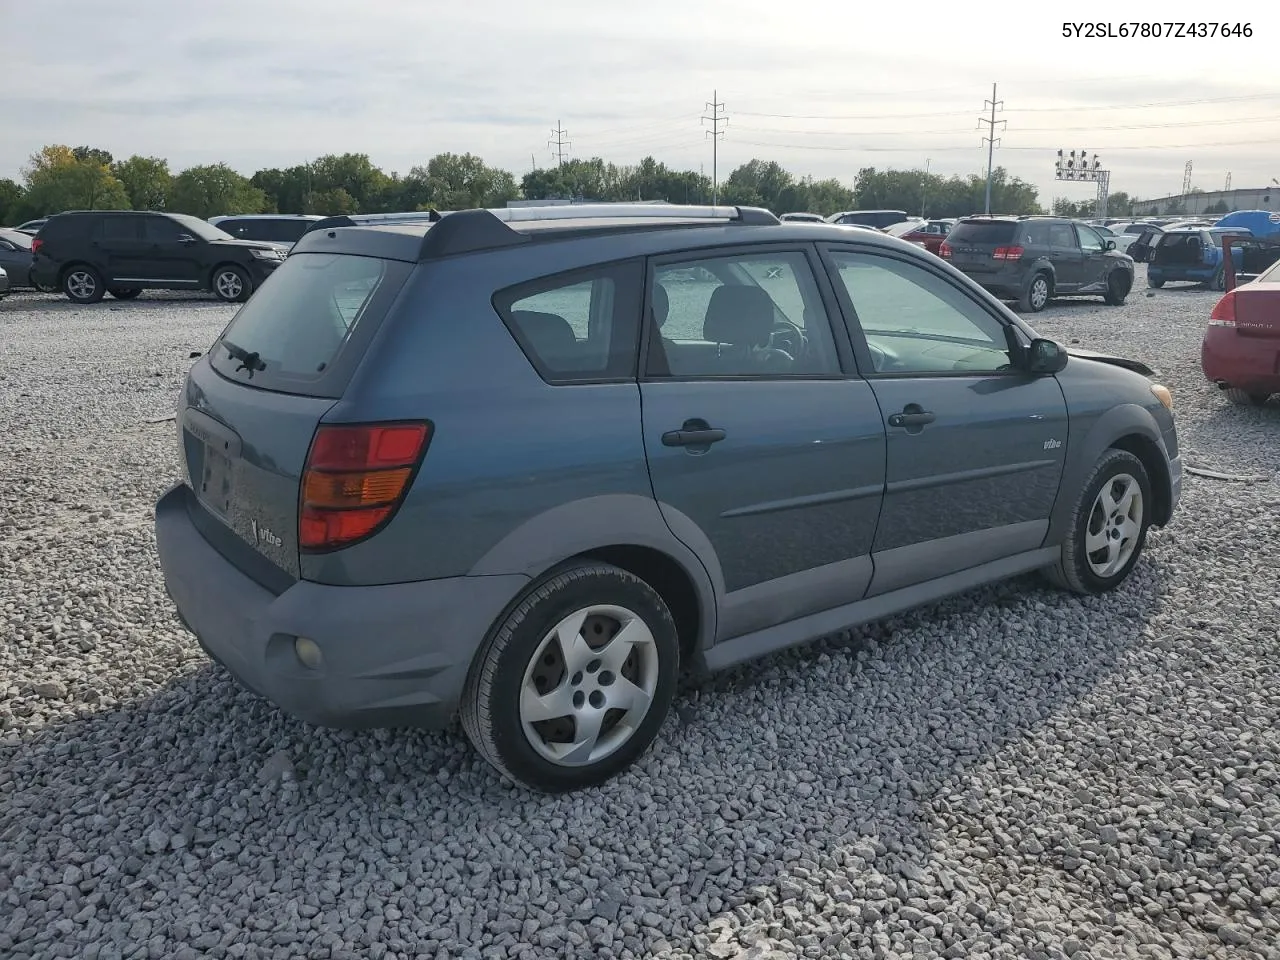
(825, 89)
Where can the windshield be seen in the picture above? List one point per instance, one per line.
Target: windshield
(200, 228)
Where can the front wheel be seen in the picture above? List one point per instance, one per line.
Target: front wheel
(83, 284)
(1108, 527)
(572, 687)
(1118, 285)
(1246, 398)
(231, 284)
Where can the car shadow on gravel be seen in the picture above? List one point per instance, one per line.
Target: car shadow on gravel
(829, 760)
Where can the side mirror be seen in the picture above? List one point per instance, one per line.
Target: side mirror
(1045, 357)
(1111, 244)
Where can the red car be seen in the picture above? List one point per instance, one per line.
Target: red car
(927, 233)
(1241, 349)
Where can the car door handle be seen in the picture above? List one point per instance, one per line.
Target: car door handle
(692, 438)
(912, 419)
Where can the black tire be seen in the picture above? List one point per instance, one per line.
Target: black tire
(1037, 295)
(1073, 571)
(491, 707)
(1155, 284)
(1219, 281)
(83, 284)
(1118, 286)
(230, 283)
(1245, 398)
(124, 293)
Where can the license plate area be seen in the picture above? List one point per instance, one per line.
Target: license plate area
(215, 480)
(213, 450)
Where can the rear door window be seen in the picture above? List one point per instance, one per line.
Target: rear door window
(118, 228)
(303, 329)
(1062, 237)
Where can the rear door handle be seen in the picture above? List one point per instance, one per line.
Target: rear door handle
(692, 438)
(911, 419)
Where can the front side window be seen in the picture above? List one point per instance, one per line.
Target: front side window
(161, 230)
(916, 322)
(754, 314)
(577, 327)
(1090, 242)
(1062, 237)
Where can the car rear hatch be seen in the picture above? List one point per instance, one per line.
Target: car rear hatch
(252, 405)
(1257, 307)
(974, 245)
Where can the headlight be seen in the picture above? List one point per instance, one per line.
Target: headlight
(272, 254)
(1163, 395)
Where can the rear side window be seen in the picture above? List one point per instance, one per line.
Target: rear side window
(978, 231)
(580, 327)
(118, 228)
(297, 330)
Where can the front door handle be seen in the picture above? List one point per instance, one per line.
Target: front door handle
(692, 438)
(912, 416)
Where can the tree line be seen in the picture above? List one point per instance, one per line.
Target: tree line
(59, 177)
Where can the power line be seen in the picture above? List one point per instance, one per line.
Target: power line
(1054, 129)
(933, 148)
(991, 139)
(715, 133)
(559, 142)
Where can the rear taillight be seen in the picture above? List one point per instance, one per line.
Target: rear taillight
(355, 479)
(945, 249)
(1224, 314)
(1007, 253)
(36, 245)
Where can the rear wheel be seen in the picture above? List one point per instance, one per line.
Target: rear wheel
(124, 293)
(1108, 528)
(572, 687)
(1118, 285)
(1219, 281)
(1036, 297)
(231, 284)
(1246, 398)
(1154, 283)
(83, 284)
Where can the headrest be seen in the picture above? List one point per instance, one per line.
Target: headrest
(661, 304)
(549, 334)
(739, 315)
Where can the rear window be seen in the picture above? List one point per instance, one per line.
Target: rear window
(281, 231)
(304, 328)
(981, 231)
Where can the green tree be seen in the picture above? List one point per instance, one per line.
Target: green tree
(10, 200)
(58, 179)
(146, 180)
(460, 181)
(207, 191)
(760, 183)
(351, 173)
(1119, 204)
(92, 155)
(332, 202)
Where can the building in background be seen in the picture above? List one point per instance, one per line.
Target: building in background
(1263, 198)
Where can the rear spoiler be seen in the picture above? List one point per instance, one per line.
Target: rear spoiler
(368, 219)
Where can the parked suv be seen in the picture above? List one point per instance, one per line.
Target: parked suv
(1034, 259)
(869, 218)
(281, 229)
(1193, 254)
(525, 464)
(87, 254)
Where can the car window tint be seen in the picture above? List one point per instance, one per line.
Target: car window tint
(1061, 236)
(160, 230)
(118, 228)
(577, 327)
(1090, 242)
(1036, 235)
(917, 322)
(757, 314)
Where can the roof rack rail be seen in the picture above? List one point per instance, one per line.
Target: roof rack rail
(464, 231)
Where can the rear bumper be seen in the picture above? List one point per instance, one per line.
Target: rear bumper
(1250, 363)
(394, 655)
(1201, 274)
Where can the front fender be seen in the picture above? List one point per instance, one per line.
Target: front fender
(582, 526)
(1084, 451)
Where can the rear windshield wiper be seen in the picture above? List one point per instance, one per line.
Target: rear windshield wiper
(249, 360)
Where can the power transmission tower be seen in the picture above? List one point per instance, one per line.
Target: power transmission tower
(715, 133)
(1228, 186)
(991, 140)
(1186, 180)
(559, 142)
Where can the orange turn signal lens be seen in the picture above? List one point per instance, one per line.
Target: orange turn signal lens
(364, 488)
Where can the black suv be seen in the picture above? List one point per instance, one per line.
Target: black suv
(89, 253)
(1034, 259)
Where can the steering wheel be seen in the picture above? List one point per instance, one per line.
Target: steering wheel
(787, 337)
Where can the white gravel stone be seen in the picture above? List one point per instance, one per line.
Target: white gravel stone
(1010, 773)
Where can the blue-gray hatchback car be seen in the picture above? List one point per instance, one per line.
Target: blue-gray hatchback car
(526, 465)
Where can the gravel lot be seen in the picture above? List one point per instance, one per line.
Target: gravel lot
(1012, 773)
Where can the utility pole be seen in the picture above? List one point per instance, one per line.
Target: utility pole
(990, 139)
(715, 133)
(924, 187)
(1228, 186)
(559, 142)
